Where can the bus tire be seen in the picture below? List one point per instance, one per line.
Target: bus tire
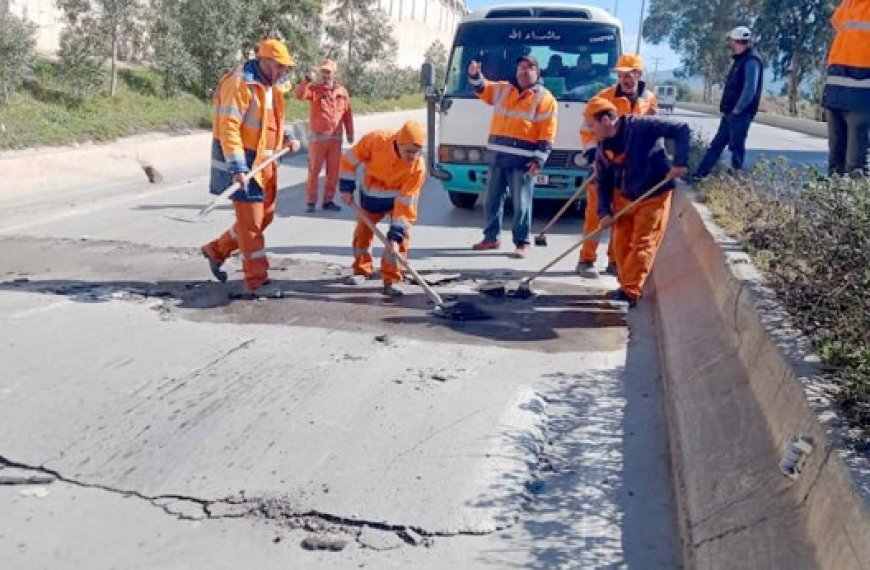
(462, 199)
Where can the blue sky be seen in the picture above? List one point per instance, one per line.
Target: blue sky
(628, 12)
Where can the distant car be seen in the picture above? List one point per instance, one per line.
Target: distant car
(667, 96)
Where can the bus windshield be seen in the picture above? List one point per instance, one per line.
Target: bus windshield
(576, 58)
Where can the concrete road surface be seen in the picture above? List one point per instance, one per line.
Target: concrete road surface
(148, 420)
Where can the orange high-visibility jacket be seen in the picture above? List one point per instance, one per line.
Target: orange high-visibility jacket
(244, 110)
(848, 83)
(389, 184)
(330, 110)
(645, 101)
(523, 125)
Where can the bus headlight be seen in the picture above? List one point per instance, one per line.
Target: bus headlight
(474, 155)
(579, 160)
(459, 154)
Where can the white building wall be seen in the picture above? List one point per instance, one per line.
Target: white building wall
(418, 23)
(45, 15)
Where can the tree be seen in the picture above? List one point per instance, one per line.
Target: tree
(795, 35)
(359, 33)
(17, 43)
(436, 54)
(697, 31)
(295, 21)
(96, 29)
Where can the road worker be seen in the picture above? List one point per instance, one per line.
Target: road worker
(630, 160)
(847, 89)
(330, 119)
(630, 96)
(248, 128)
(521, 137)
(394, 176)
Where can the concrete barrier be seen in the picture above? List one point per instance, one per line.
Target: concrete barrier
(806, 126)
(739, 383)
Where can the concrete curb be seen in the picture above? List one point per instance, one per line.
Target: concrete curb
(739, 383)
(806, 126)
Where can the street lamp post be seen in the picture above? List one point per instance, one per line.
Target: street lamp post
(640, 25)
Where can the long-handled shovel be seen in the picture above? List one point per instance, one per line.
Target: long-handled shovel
(206, 210)
(524, 289)
(454, 310)
(541, 238)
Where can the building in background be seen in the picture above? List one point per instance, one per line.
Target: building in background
(418, 23)
(46, 16)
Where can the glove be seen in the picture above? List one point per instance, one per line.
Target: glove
(589, 154)
(396, 234)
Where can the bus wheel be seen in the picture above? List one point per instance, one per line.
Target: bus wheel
(462, 200)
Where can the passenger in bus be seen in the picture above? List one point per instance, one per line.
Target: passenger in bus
(555, 67)
(521, 136)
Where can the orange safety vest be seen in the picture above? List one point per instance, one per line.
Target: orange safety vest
(389, 184)
(330, 110)
(523, 122)
(645, 101)
(848, 83)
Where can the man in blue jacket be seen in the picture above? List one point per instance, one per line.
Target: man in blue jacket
(630, 160)
(740, 99)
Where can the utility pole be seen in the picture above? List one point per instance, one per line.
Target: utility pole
(640, 26)
(655, 76)
(616, 8)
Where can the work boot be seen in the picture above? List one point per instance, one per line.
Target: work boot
(310, 208)
(267, 290)
(214, 266)
(586, 269)
(486, 244)
(611, 268)
(332, 207)
(522, 251)
(391, 290)
(621, 296)
(355, 280)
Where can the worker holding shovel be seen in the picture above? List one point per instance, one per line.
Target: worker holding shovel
(631, 160)
(394, 174)
(248, 131)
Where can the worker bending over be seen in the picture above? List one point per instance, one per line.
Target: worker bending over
(393, 176)
(630, 160)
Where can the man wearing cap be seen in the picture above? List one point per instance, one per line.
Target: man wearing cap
(629, 161)
(521, 137)
(394, 176)
(630, 96)
(248, 127)
(847, 89)
(330, 119)
(741, 96)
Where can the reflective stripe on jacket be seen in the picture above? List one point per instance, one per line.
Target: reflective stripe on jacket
(848, 84)
(389, 184)
(240, 128)
(330, 110)
(523, 126)
(645, 101)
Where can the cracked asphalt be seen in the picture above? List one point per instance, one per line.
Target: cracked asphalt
(149, 420)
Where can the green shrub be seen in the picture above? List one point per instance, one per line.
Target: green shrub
(81, 69)
(17, 44)
(141, 81)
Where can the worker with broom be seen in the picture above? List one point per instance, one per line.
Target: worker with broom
(630, 96)
(248, 131)
(394, 174)
(629, 162)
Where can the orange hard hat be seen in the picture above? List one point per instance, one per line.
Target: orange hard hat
(598, 105)
(328, 65)
(629, 62)
(275, 49)
(411, 133)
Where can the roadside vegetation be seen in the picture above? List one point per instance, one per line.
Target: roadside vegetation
(132, 67)
(810, 236)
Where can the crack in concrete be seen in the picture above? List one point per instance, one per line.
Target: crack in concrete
(818, 476)
(730, 532)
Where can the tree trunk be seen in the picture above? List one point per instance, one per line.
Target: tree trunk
(113, 90)
(350, 39)
(795, 77)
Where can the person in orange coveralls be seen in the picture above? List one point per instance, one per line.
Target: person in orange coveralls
(394, 176)
(331, 117)
(248, 129)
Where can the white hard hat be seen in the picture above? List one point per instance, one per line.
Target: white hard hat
(740, 33)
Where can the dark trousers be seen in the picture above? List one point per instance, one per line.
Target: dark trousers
(848, 141)
(732, 134)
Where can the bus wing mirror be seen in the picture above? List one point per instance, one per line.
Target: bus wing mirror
(427, 75)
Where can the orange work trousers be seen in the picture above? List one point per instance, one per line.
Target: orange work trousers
(362, 253)
(246, 236)
(636, 238)
(319, 153)
(589, 251)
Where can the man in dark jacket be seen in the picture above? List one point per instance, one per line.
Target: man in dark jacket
(630, 161)
(740, 98)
